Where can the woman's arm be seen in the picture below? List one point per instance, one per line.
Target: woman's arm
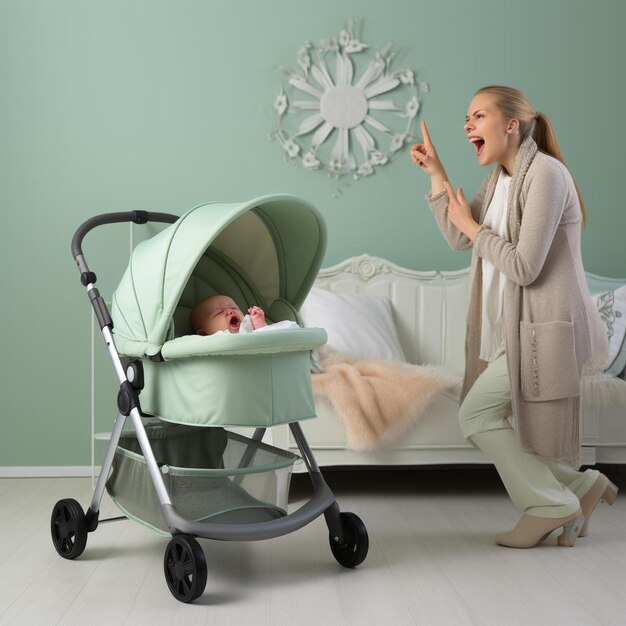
(440, 203)
(425, 156)
(542, 213)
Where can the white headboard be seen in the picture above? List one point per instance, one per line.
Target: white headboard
(598, 284)
(429, 307)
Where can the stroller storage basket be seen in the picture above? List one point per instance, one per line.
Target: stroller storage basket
(211, 474)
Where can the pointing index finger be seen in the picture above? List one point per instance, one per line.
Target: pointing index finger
(425, 134)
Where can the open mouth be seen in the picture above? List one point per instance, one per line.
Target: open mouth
(478, 144)
(234, 323)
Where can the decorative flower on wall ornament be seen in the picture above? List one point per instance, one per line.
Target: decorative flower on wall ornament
(347, 125)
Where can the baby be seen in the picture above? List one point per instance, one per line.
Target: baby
(221, 314)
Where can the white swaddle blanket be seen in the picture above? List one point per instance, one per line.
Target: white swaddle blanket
(246, 327)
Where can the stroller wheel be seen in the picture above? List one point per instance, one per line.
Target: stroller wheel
(356, 542)
(185, 568)
(68, 526)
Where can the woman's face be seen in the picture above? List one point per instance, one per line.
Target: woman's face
(494, 138)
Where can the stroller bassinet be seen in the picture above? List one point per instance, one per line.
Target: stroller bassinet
(265, 252)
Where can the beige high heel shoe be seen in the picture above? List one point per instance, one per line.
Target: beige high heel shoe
(531, 530)
(602, 489)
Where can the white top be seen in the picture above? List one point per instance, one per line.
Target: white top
(493, 280)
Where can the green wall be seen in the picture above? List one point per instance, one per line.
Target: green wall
(127, 104)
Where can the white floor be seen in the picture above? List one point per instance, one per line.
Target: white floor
(431, 561)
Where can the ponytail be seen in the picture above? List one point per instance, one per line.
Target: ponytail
(545, 138)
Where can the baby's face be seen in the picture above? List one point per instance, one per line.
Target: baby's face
(221, 313)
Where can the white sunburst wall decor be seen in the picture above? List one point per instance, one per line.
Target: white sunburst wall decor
(357, 112)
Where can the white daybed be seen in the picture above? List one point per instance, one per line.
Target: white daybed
(428, 310)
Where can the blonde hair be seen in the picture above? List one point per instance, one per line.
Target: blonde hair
(514, 104)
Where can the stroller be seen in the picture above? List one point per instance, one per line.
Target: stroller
(178, 470)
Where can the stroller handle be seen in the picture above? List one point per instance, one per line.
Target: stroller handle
(88, 278)
(137, 217)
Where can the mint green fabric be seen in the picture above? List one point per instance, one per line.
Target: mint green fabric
(264, 252)
(261, 389)
(206, 252)
(289, 340)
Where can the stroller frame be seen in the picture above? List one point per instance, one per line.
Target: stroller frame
(184, 563)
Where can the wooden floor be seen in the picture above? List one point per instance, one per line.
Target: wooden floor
(432, 560)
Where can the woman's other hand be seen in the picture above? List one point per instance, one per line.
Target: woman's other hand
(459, 211)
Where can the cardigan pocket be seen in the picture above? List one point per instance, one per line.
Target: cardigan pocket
(548, 361)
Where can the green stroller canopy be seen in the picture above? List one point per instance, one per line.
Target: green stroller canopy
(266, 252)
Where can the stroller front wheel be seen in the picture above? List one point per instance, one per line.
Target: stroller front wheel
(353, 550)
(68, 527)
(185, 568)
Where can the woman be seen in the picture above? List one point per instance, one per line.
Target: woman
(532, 328)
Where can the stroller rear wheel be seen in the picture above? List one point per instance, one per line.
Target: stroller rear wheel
(353, 550)
(185, 568)
(68, 526)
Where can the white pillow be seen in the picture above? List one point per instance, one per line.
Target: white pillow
(359, 325)
(612, 308)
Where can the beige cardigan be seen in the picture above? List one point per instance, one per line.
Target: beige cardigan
(552, 330)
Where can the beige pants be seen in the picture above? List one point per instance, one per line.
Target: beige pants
(535, 488)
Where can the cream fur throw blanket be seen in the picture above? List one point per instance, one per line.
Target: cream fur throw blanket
(378, 401)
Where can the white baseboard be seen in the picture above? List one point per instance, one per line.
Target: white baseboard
(43, 471)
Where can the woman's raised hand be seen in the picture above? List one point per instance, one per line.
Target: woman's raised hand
(425, 156)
